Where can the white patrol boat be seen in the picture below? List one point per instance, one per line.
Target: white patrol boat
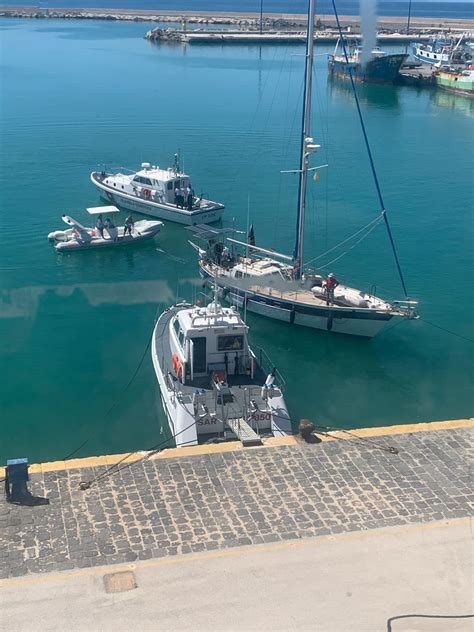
(163, 193)
(212, 384)
(104, 234)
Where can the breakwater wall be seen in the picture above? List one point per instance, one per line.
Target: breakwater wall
(222, 496)
(272, 21)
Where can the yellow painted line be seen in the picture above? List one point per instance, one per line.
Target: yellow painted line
(417, 427)
(232, 446)
(234, 552)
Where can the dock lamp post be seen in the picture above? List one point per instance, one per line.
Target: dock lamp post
(261, 17)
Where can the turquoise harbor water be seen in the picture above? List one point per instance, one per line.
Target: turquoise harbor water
(73, 328)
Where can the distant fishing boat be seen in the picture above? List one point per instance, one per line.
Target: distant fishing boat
(443, 50)
(162, 193)
(212, 384)
(455, 80)
(79, 237)
(380, 68)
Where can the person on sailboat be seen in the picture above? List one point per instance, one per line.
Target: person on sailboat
(330, 284)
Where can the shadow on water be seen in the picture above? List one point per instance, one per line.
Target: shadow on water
(384, 96)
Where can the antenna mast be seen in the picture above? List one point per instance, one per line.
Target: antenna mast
(306, 142)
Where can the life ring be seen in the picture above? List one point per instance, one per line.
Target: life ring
(146, 193)
(177, 365)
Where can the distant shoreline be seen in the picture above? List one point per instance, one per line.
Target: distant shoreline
(280, 20)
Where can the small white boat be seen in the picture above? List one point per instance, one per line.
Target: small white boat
(163, 193)
(211, 382)
(80, 237)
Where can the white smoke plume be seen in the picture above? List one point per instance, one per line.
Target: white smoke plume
(368, 27)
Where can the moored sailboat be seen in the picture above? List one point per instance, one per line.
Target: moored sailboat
(283, 287)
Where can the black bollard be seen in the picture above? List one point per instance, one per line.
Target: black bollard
(306, 429)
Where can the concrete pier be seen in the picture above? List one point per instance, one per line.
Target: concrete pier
(271, 37)
(219, 497)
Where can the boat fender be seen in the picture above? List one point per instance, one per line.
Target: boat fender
(58, 235)
(177, 365)
(329, 323)
(292, 316)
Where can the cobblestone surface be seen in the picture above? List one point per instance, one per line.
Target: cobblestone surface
(186, 504)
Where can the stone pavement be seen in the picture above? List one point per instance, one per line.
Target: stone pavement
(168, 506)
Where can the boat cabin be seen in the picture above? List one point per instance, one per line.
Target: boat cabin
(151, 181)
(246, 268)
(209, 341)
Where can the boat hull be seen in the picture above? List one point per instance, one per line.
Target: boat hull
(143, 231)
(205, 215)
(455, 83)
(185, 427)
(430, 58)
(378, 70)
(340, 320)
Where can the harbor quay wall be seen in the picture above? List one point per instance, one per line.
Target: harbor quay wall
(221, 496)
(246, 20)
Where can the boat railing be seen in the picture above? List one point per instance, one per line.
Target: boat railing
(406, 308)
(268, 367)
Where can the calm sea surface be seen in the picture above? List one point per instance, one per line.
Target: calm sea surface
(73, 328)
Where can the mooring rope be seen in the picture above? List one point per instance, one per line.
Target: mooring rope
(325, 430)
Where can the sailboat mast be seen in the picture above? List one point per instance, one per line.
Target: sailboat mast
(305, 134)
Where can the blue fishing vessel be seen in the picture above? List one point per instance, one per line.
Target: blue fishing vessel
(443, 50)
(380, 68)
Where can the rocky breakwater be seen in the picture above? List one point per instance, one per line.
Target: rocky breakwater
(159, 34)
(137, 15)
(74, 14)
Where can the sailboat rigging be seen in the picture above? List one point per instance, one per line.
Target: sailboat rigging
(273, 284)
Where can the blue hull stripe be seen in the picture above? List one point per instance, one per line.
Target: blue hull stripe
(322, 312)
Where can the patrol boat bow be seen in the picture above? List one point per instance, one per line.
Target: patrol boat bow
(212, 384)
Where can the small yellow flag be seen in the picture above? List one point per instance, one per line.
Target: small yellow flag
(315, 177)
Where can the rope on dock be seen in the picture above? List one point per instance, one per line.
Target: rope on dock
(114, 469)
(325, 430)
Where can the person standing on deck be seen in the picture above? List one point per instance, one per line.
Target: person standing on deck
(331, 284)
(129, 223)
(176, 196)
(189, 198)
(100, 226)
